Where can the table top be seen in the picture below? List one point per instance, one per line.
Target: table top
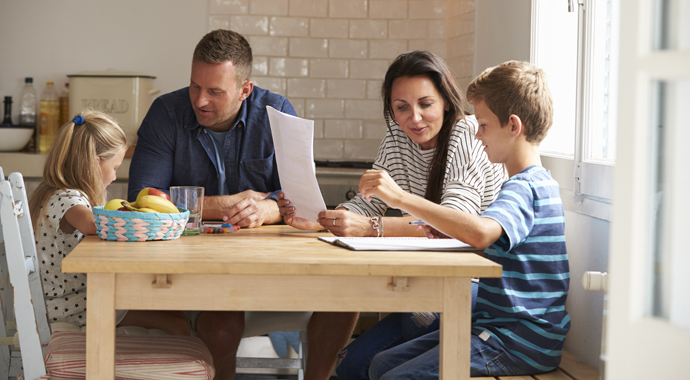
(267, 250)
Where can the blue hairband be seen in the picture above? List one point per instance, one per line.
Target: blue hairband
(78, 120)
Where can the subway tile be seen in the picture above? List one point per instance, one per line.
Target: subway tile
(308, 47)
(348, 49)
(363, 109)
(218, 22)
(306, 88)
(270, 46)
(374, 130)
(318, 129)
(387, 49)
(361, 149)
(374, 88)
(276, 85)
(460, 46)
(437, 29)
(438, 47)
(268, 7)
(289, 26)
(325, 149)
(308, 8)
(289, 67)
(260, 66)
(461, 66)
(343, 129)
(328, 68)
(428, 9)
(407, 29)
(346, 89)
(325, 109)
(229, 7)
(347, 8)
(387, 9)
(368, 29)
(298, 105)
(368, 69)
(254, 25)
(457, 27)
(328, 28)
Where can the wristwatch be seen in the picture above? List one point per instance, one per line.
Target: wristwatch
(273, 195)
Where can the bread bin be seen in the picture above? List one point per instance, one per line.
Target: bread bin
(126, 96)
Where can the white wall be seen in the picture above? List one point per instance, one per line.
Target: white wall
(502, 32)
(49, 39)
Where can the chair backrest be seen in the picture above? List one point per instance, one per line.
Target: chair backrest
(22, 265)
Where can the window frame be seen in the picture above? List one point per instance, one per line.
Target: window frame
(586, 184)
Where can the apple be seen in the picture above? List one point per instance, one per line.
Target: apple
(122, 209)
(153, 191)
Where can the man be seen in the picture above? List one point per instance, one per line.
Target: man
(216, 134)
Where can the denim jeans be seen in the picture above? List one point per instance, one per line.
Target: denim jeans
(395, 330)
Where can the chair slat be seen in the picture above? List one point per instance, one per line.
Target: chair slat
(576, 368)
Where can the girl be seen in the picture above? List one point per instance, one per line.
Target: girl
(81, 164)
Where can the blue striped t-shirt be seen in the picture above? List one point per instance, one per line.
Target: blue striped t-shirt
(523, 312)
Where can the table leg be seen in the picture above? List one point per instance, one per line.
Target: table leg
(100, 326)
(456, 323)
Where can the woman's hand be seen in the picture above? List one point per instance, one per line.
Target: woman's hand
(380, 183)
(288, 214)
(342, 222)
(433, 233)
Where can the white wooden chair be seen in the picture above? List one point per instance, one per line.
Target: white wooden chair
(168, 357)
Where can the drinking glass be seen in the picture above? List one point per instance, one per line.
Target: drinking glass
(192, 199)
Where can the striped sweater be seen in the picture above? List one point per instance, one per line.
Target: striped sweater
(523, 312)
(471, 181)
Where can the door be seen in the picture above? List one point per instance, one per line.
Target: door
(648, 329)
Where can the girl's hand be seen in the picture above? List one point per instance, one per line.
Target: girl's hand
(380, 183)
(342, 222)
(288, 214)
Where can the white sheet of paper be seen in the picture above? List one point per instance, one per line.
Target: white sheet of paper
(293, 140)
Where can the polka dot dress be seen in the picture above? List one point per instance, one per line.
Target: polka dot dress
(65, 293)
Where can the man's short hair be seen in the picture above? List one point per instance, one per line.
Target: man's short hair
(516, 88)
(223, 45)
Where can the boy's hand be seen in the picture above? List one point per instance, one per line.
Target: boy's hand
(380, 183)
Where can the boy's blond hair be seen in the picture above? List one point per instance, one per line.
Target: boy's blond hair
(72, 162)
(516, 88)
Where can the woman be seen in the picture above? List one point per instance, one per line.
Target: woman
(429, 150)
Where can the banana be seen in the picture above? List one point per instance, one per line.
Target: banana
(146, 209)
(113, 204)
(159, 204)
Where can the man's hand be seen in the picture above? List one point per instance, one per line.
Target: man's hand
(251, 213)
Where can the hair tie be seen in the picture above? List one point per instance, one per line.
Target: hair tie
(78, 120)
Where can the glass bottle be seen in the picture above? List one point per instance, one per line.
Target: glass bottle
(64, 105)
(49, 117)
(28, 102)
(8, 111)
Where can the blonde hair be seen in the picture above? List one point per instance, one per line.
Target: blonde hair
(516, 88)
(72, 162)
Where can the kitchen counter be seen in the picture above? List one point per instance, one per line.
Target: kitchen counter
(31, 164)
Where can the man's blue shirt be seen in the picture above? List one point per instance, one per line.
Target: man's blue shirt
(173, 149)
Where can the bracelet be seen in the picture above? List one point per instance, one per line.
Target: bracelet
(381, 224)
(375, 224)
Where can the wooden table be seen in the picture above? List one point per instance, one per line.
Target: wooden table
(272, 268)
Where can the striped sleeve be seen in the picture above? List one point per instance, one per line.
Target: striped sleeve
(514, 211)
(472, 181)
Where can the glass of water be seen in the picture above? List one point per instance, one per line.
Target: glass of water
(192, 199)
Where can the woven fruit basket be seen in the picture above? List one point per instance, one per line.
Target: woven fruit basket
(139, 226)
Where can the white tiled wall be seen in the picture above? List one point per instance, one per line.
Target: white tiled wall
(328, 57)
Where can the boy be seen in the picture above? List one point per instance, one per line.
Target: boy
(519, 321)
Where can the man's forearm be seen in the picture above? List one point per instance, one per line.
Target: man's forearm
(271, 211)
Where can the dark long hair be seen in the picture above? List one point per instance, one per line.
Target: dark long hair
(425, 63)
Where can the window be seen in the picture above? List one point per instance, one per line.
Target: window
(576, 43)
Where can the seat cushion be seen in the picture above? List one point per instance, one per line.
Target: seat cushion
(136, 357)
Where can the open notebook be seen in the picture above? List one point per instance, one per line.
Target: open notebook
(398, 244)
